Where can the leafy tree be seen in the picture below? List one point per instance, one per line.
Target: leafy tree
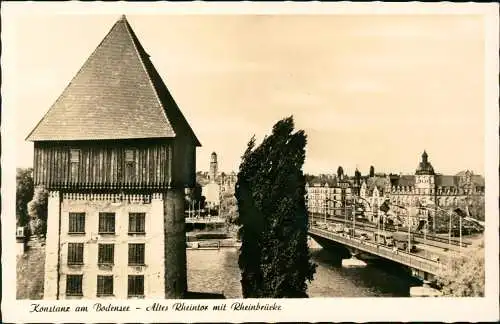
(340, 172)
(372, 171)
(24, 193)
(464, 277)
(37, 210)
(195, 197)
(274, 256)
(477, 206)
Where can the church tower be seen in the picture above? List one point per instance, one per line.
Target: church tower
(424, 175)
(213, 167)
(116, 155)
(425, 180)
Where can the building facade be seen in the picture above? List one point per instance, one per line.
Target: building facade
(406, 194)
(331, 200)
(117, 157)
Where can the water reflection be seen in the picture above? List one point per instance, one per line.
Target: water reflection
(216, 271)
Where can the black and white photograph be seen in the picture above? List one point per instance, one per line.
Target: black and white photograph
(169, 159)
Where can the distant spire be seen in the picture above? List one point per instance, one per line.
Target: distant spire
(123, 17)
(424, 157)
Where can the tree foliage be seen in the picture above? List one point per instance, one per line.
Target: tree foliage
(274, 257)
(477, 207)
(24, 193)
(195, 198)
(372, 171)
(37, 210)
(465, 277)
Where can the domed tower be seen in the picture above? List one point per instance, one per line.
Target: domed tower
(213, 167)
(424, 176)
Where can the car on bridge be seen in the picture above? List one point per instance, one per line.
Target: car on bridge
(336, 228)
(384, 238)
(401, 241)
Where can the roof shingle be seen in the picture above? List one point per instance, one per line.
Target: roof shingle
(117, 94)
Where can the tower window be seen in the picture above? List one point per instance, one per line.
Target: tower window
(135, 286)
(106, 223)
(106, 254)
(75, 253)
(76, 223)
(104, 285)
(74, 285)
(130, 165)
(136, 254)
(136, 223)
(74, 157)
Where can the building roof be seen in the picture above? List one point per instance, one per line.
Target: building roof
(447, 181)
(379, 182)
(404, 181)
(117, 94)
(424, 167)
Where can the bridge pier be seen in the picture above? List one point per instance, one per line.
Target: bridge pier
(425, 291)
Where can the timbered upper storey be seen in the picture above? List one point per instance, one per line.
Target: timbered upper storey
(115, 125)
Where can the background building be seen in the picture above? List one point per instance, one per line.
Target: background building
(116, 155)
(410, 192)
(215, 185)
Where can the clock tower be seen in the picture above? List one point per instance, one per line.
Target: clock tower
(424, 176)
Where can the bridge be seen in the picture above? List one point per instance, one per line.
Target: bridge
(423, 265)
(431, 256)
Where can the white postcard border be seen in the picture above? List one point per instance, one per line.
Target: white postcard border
(317, 309)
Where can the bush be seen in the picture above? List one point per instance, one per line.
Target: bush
(465, 276)
(37, 210)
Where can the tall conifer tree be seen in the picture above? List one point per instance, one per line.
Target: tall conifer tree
(274, 259)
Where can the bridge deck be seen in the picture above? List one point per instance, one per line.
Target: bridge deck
(401, 257)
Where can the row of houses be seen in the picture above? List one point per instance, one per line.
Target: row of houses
(405, 193)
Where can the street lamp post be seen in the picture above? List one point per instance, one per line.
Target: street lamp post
(450, 214)
(449, 231)
(408, 225)
(326, 204)
(460, 231)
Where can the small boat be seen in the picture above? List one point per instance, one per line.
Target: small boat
(353, 263)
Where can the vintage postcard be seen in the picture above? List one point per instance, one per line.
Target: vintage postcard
(246, 162)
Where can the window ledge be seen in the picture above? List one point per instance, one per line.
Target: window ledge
(136, 233)
(105, 295)
(76, 233)
(136, 296)
(107, 233)
(75, 264)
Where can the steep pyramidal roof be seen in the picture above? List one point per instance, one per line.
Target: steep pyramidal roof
(117, 94)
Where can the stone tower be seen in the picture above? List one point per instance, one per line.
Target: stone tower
(213, 167)
(116, 155)
(424, 177)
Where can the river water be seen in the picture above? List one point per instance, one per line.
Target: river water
(216, 271)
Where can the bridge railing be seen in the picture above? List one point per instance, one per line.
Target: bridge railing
(407, 259)
(364, 225)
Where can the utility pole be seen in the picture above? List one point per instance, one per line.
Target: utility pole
(409, 232)
(354, 216)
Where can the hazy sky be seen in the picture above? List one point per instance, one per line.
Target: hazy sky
(368, 90)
